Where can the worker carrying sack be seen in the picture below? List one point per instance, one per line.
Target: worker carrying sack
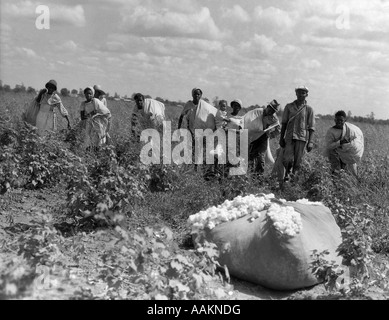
(271, 247)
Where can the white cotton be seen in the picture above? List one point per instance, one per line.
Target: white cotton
(229, 211)
(285, 219)
(306, 201)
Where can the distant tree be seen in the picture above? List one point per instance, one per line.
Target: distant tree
(116, 95)
(349, 114)
(74, 91)
(65, 92)
(81, 92)
(216, 101)
(31, 90)
(160, 99)
(19, 88)
(147, 96)
(7, 88)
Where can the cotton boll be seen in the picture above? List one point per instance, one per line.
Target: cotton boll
(192, 218)
(211, 225)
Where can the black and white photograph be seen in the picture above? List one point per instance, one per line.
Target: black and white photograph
(209, 153)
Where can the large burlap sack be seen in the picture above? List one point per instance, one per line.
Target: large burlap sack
(253, 250)
(253, 122)
(352, 152)
(156, 108)
(30, 113)
(278, 167)
(203, 117)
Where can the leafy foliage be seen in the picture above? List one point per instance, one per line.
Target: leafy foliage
(143, 209)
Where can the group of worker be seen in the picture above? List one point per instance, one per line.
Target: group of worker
(344, 141)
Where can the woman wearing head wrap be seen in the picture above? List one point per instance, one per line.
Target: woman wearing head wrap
(49, 102)
(97, 117)
(100, 94)
(190, 105)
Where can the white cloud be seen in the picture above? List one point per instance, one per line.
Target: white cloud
(260, 46)
(275, 17)
(362, 16)
(184, 48)
(378, 60)
(236, 13)
(69, 46)
(27, 52)
(151, 23)
(5, 34)
(353, 44)
(72, 15)
(311, 63)
(21, 8)
(259, 43)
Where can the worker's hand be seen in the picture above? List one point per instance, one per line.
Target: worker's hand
(309, 146)
(282, 143)
(272, 134)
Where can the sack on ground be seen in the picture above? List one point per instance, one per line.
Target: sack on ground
(273, 250)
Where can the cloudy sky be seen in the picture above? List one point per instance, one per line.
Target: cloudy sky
(253, 50)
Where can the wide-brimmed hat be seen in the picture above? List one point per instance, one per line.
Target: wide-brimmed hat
(304, 88)
(51, 82)
(238, 101)
(274, 105)
(98, 89)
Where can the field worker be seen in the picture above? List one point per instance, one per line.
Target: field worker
(147, 113)
(263, 125)
(100, 94)
(198, 114)
(298, 126)
(49, 103)
(97, 117)
(235, 117)
(344, 145)
(227, 120)
(197, 93)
